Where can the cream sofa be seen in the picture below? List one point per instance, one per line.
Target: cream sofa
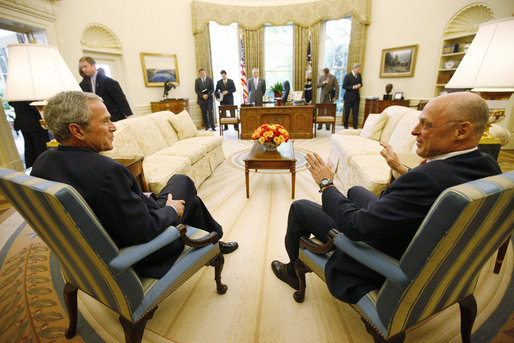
(170, 145)
(356, 153)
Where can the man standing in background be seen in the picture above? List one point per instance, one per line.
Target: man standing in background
(105, 87)
(329, 90)
(351, 84)
(224, 89)
(256, 88)
(204, 88)
(35, 137)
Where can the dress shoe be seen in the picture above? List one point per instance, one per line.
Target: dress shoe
(207, 129)
(328, 127)
(320, 127)
(228, 247)
(225, 128)
(213, 128)
(280, 271)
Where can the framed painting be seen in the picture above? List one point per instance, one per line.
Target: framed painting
(159, 68)
(398, 62)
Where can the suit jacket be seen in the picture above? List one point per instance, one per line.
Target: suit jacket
(228, 99)
(255, 94)
(110, 91)
(27, 117)
(116, 199)
(389, 223)
(349, 81)
(328, 91)
(202, 88)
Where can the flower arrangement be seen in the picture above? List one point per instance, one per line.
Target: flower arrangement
(268, 134)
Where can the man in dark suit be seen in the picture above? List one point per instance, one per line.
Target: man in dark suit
(256, 88)
(35, 137)
(204, 87)
(224, 92)
(351, 84)
(329, 90)
(105, 87)
(81, 124)
(447, 135)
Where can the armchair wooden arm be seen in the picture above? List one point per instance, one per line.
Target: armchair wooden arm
(196, 243)
(306, 243)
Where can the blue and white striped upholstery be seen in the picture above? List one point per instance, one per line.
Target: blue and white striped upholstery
(85, 252)
(465, 226)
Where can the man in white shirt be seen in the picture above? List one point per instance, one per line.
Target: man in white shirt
(256, 88)
(447, 135)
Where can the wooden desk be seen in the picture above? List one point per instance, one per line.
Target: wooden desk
(174, 105)
(377, 106)
(297, 120)
(259, 158)
(135, 165)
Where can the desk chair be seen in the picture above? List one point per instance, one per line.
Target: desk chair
(325, 114)
(225, 119)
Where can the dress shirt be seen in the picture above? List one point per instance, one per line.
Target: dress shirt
(450, 154)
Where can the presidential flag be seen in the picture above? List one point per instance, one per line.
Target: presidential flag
(307, 91)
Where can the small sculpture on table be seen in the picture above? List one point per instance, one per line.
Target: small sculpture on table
(168, 85)
(388, 95)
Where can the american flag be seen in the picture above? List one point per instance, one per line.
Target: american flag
(244, 93)
(307, 91)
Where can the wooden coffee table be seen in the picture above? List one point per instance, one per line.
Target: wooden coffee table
(259, 158)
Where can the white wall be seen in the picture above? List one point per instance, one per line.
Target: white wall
(396, 23)
(163, 26)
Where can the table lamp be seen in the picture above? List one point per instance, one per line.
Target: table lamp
(488, 66)
(36, 72)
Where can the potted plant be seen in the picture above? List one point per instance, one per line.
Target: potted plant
(277, 89)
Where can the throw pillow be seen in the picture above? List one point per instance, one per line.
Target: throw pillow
(183, 125)
(373, 126)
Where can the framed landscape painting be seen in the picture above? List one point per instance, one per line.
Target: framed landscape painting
(159, 68)
(398, 62)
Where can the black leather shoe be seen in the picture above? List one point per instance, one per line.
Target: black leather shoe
(328, 127)
(320, 127)
(280, 271)
(228, 247)
(225, 128)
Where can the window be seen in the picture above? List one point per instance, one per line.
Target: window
(225, 55)
(278, 55)
(337, 41)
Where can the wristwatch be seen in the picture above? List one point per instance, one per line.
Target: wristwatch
(325, 183)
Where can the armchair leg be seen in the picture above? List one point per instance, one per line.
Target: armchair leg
(334, 127)
(134, 331)
(468, 313)
(398, 338)
(70, 300)
(501, 255)
(300, 268)
(314, 129)
(218, 262)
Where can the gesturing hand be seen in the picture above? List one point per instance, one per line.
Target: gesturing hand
(392, 159)
(177, 204)
(319, 169)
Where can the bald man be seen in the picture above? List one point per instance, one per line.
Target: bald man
(447, 135)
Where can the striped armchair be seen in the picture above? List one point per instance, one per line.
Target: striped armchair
(464, 227)
(89, 259)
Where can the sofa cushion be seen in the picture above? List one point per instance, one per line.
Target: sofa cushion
(192, 151)
(210, 143)
(124, 144)
(183, 125)
(147, 135)
(373, 126)
(160, 168)
(401, 139)
(161, 119)
(350, 146)
(394, 114)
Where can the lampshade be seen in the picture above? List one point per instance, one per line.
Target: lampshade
(489, 61)
(36, 72)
